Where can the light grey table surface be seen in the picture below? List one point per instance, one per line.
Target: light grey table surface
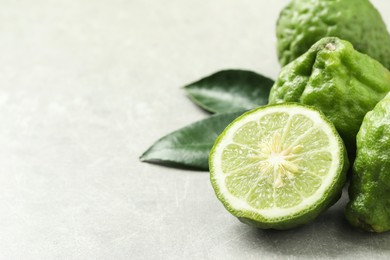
(85, 87)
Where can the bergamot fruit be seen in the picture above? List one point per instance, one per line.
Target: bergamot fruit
(336, 79)
(304, 22)
(278, 166)
(369, 208)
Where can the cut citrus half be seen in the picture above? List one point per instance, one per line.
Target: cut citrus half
(278, 166)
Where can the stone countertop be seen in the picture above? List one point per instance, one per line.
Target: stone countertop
(86, 87)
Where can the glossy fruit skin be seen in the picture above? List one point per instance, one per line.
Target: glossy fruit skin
(304, 22)
(369, 208)
(336, 79)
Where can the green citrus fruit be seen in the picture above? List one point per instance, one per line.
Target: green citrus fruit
(336, 79)
(304, 22)
(369, 208)
(278, 166)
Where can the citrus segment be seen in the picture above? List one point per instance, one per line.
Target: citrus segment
(278, 166)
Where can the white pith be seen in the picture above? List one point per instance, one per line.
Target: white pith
(277, 159)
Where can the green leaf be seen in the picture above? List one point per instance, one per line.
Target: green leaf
(189, 147)
(230, 90)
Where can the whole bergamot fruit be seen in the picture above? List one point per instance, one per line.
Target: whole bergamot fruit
(336, 79)
(369, 208)
(304, 22)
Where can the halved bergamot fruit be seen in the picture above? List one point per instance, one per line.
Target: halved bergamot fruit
(278, 166)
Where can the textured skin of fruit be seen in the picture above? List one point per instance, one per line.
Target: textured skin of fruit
(369, 208)
(304, 22)
(336, 79)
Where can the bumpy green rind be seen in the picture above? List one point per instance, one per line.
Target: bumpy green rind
(304, 22)
(369, 208)
(331, 195)
(336, 79)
